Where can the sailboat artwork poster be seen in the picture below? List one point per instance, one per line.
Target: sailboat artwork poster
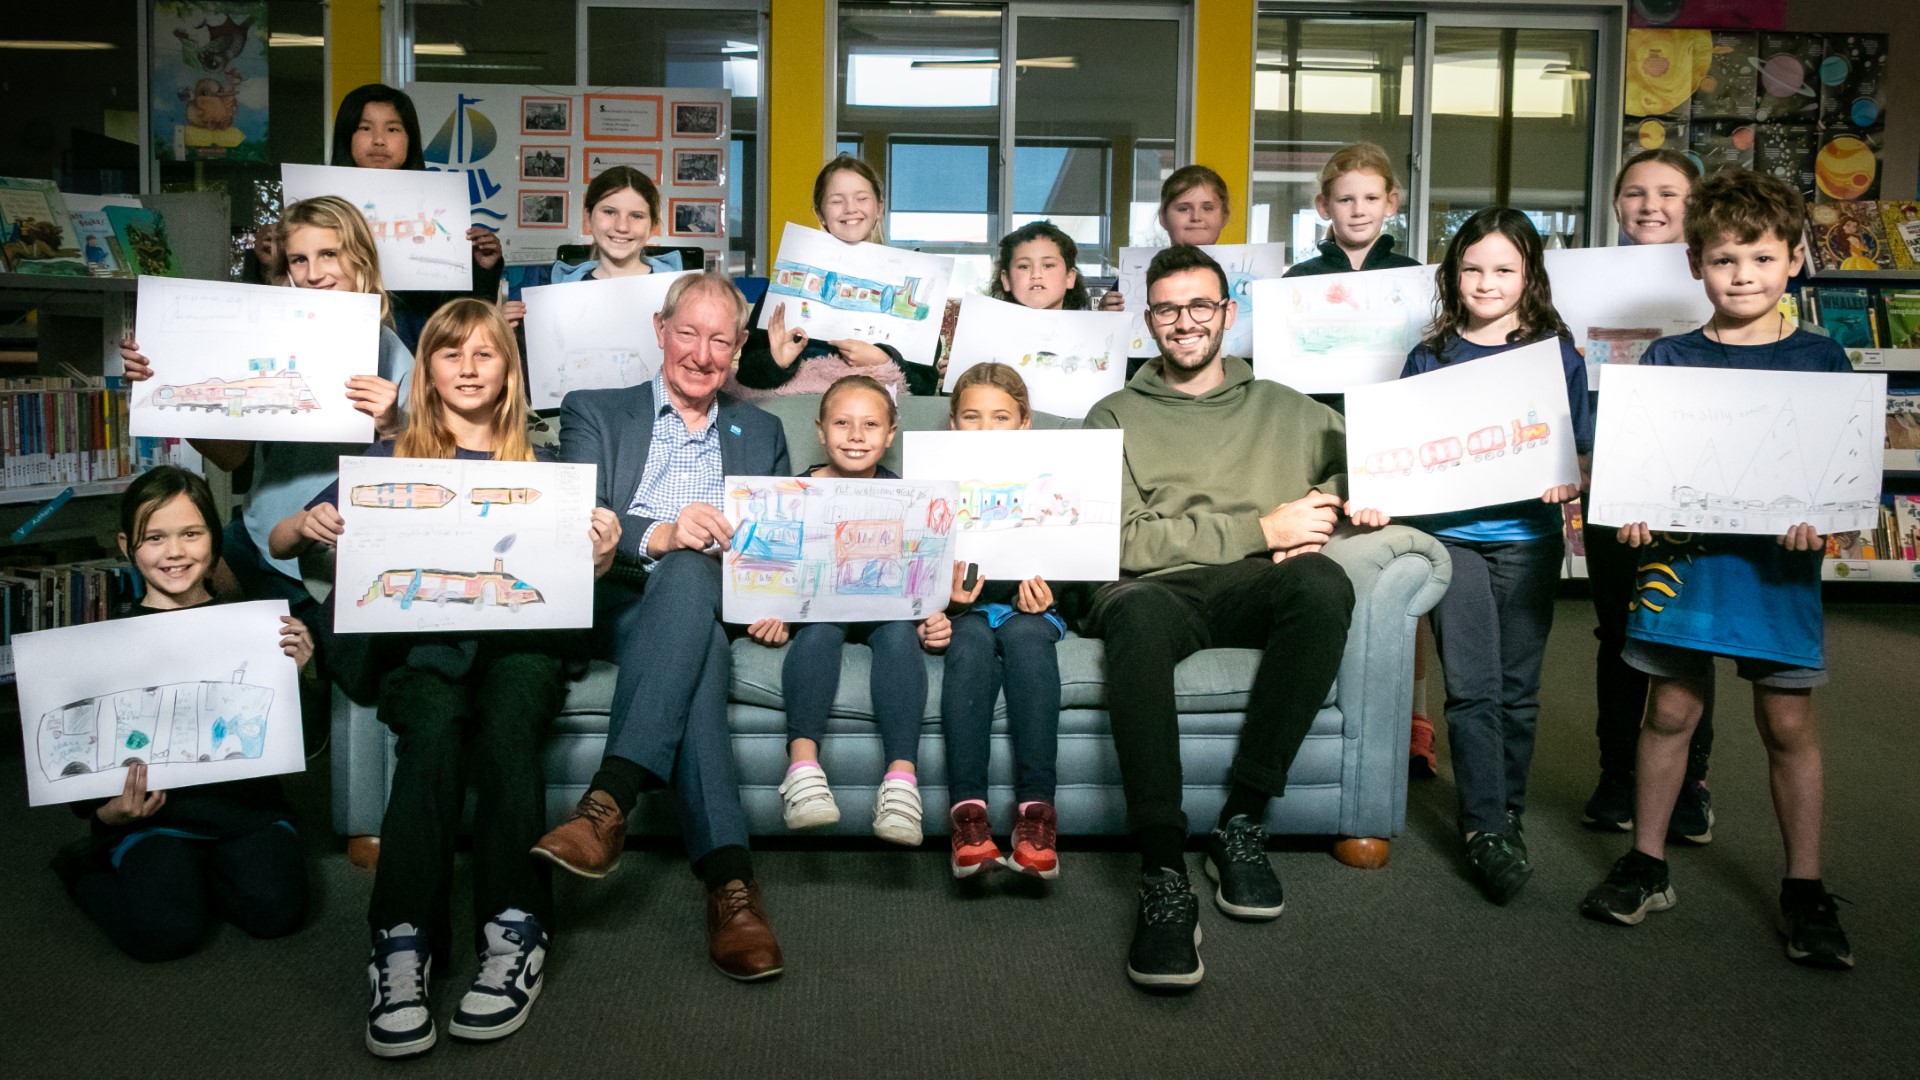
(1738, 451)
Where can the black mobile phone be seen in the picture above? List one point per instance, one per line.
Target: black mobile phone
(1098, 287)
(972, 578)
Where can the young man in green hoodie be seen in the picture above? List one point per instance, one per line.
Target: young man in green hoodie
(1232, 487)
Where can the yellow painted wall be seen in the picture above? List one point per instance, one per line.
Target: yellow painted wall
(1223, 100)
(797, 86)
(353, 40)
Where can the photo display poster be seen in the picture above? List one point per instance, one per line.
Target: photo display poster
(1068, 359)
(1029, 502)
(1618, 300)
(835, 290)
(440, 544)
(252, 362)
(418, 220)
(201, 696)
(1496, 430)
(1735, 450)
(1243, 263)
(593, 335)
(809, 549)
(528, 153)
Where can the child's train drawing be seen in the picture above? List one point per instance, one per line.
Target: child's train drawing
(418, 495)
(478, 588)
(1450, 451)
(848, 293)
(266, 390)
(175, 723)
(1042, 500)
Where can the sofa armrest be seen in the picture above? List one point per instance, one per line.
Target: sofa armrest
(1398, 574)
(361, 759)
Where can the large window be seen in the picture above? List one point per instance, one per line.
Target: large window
(1080, 132)
(71, 73)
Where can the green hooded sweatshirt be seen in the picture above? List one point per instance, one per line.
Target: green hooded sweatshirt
(1201, 470)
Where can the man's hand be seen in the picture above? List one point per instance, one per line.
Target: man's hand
(699, 528)
(1307, 520)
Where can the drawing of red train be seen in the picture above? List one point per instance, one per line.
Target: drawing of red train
(268, 392)
(1446, 452)
(481, 588)
(1440, 454)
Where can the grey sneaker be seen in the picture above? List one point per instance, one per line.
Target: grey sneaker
(1237, 861)
(1166, 933)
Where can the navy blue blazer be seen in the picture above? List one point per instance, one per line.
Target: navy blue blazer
(614, 428)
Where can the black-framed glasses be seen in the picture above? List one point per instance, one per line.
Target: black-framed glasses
(1201, 311)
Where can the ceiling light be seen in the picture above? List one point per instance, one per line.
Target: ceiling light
(451, 48)
(281, 40)
(59, 46)
(1058, 63)
(1563, 71)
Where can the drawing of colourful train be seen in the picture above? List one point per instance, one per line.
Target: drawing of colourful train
(177, 723)
(481, 588)
(265, 392)
(1009, 505)
(503, 496)
(1067, 364)
(849, 293)
(407, 496)
(1448, 451)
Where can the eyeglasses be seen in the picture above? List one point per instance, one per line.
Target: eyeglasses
(1201, 311)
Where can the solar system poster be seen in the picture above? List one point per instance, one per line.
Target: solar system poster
(1730, 88)
(1853, 81)
(1789, 76)
(1785, 152)
(1721, 143)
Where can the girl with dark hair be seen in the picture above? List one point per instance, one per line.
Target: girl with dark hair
(851, 206)
(157, 866)
(623, 213)
(1036, 269)
(1491, 626)
(376, 127)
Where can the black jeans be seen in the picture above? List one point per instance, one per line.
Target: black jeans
(1297, 611)
(487, 726)
(157, 904)
(1019, 653)
(1491, 632)
(1619, 688)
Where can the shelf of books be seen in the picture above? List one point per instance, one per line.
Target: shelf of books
(58, 432)
(58, 594)
(1889, 553)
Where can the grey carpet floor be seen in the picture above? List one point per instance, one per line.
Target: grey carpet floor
(896, 970)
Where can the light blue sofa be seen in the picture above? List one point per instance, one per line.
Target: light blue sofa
(1349, 779)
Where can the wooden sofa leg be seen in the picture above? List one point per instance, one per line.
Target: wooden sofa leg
(363, 851)
(1361, 852)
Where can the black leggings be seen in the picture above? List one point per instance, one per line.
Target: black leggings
(167, 890)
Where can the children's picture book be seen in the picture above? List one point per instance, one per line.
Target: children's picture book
(200, 696)
(1616, 301)
(1492, 431)
(143, 239)
(1847, 316)
(1906, 527)
(1902, 220)
(869, 292)
(1737, 450)
(252, 362)
(1903, 419)
(1900, 317)
(208, 80)
(36, 234)
(1730, 89)
(594, 334)
(1068, 359)
(1789, 75)
(93, 232)
(1029, 502)
(419, 219)
(1327, 333)
(1848, 236)
(1244, 264)
(436, 544)
(1575, 515)
(829, 550)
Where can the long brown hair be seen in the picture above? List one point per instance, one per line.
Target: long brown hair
(360, 258)
(1185, 179)
(1672, 159)
(1535, 311)
(623, 178)
(849, 163)
(994, 374)
(427, 434)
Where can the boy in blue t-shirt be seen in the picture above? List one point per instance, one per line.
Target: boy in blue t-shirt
(1755, 599)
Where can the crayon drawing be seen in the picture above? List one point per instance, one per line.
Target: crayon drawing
(1069, 359)
(1616, 301)
(267, 389)
(1029, 502)
(419, 219)
(479, 588)
(593, 334)
(1324, 334)
(829, 550)
(1244, 264)
(867, 291)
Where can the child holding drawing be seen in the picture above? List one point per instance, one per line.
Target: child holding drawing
(1004, 632)
(1491, 626)
(472, 706)
(1358, 193)
(1755, 599)
(1194, 209)
(850, 205)
(622, 208)
(157, 866)
(857, 423)
(1037, 269)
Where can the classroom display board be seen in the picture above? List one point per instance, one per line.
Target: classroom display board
(530, 151)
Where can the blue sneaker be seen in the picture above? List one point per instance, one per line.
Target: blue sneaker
(509, 979)
(399, 1023)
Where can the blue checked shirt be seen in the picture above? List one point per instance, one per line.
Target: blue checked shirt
(682, 467)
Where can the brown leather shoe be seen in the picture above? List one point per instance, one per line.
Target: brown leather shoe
(589, 841)
(739, 938)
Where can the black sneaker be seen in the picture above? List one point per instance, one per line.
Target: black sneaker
(1635, 886)
(1692, 821)
(399, 1023)
(1811, 922)
(1166, 932)
(1501, 868)
(1517, 838)
(1611, 807)
(1237, 861)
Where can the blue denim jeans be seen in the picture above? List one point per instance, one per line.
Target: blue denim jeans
(810, 676)
(1019, 655)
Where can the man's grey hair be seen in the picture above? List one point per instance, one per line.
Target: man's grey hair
(712, 283)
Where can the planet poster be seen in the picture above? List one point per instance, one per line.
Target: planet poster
(1847, 166)
(1729, 90)
(1788, 66)
(1664, 68)
(1785, 151)
(1720, 143)
(1853, 81)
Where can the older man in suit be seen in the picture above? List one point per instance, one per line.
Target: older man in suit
(664, 449)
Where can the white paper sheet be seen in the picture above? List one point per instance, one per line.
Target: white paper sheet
(1489, 431)
(1722, 450)
(866, 291)
(1325, 333)
(252, 362)
(1244, 264)
(1619, 300)
(449, 545)
(1069, 359)
(419, 220)
(811, 550)
(1029, 502)
(201, 696)
(592, 335)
